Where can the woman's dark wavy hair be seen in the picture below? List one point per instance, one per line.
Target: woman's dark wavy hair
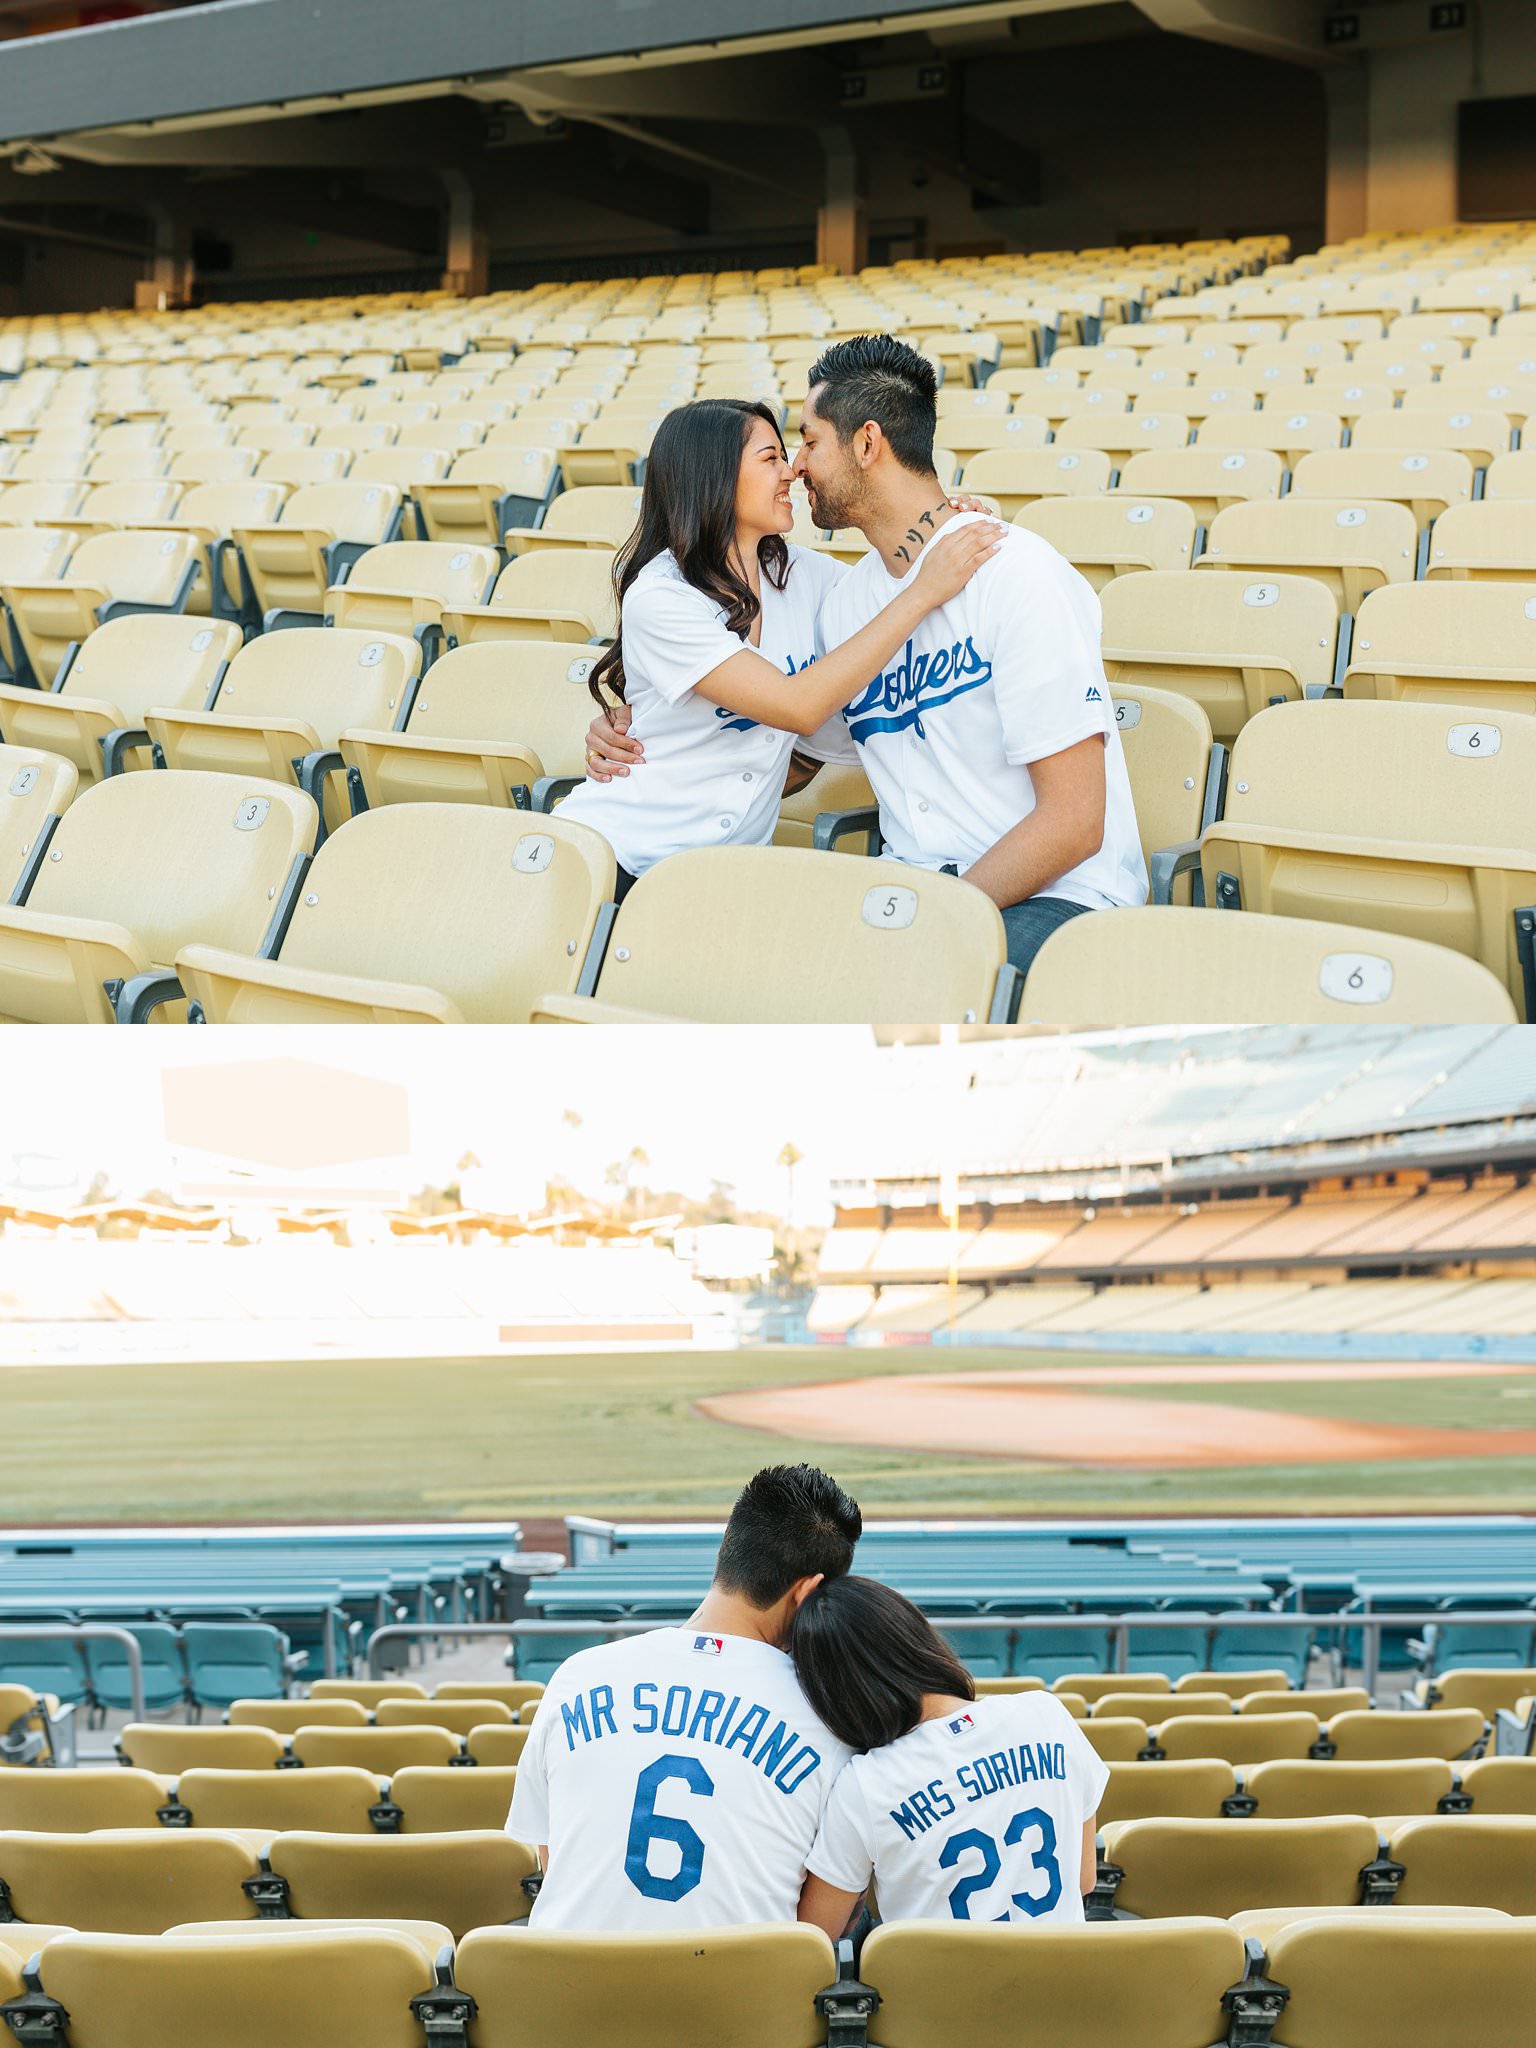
(688, 504)
(865, 1657)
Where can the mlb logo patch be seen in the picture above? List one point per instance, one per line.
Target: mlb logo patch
(709, 1646)
(962, 1725)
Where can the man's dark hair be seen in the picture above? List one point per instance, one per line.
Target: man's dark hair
(789, 1522)
(865, 1657)
(875, 377)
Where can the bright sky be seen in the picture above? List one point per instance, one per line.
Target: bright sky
(703, 1105)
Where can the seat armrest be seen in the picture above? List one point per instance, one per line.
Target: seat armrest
(136, 1001)
(204, 968)
(1168, 863)
(549, 789)
(834, 825)
(116, 744)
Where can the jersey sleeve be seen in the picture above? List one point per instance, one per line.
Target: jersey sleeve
(528, 1820)
(676, 635)
(843, 1852)
(1048, 671)
(830, 742)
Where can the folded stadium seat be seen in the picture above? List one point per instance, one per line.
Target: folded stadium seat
(210, 513)
(1092, 1685)
(1289, 435)
(1236, 1738)
(110, 576)
(137, 865)
(647, 1990)
(1344, 390)
(496, 1744)
(47, 462)
(337, 1798)
(1418, 1984)
(1123, 435)
(1509, 476)
(537, 427)
(556, 594)
(1489, 542)
(1467, 644)
(1232, 644)
(968, 437)
(594, 516)
(1280, 850)
(406, 586)
(414, 950)
(383, 1751)
(430, 1936)
(296, 467)
(34, 504)
(27, 554)
(1160, 1984)
(986, 1688)
(1160, 1708)
(357, 436)
(1121, 1740)
(213, 465)
(440, 1801)
(128, 434)
(511, 1692)
(469, 1878)
(1162, 1791)
(127, 1880)
(94, 714)
(1482, 386)
(1158, 1869)
(1324, 1701)
(1308, 1787)
(605, 453)
(285, 1716)
(149, 1746)
(127, 467)
(1467, 1860)
(367, 1691)
(1114, 535)
(1354, 549)
(1236, 1684)
(109, 506)
(273, 437)
(969, 358)
(798, 937)
(1207, 480)
(1390, 1732)
(35, 789)
(487, 491)
(458, 1716)
(53, 1802)
(1480, 434)
(956, 397)
(1501, 1784)
(323, 529)
(1486, 1688)
(1429, 481)
(1401, 363)
(405, 468)
(1227, 395)
(342, 1985)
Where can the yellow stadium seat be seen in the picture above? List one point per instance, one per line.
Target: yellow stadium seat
(1471, 645)
(27, 554)
(1492, 541)
(1160, 1791)
(138, 865)
(799, 937)
(1385, 1732)
(1159, 1984)
(1124, 1739)
(109, 576)
(1287, 434)
(1306, 1788)
(1123, 435)
(1467, 1860)
(1324, 1701)
(596, 516)
(35, 789)
(418, 950)
(127, 1880)
(1487, 1689)
(1480, 434)
(488, 491)
(561, 594)
(1237, 1685)
(1161, 1710)
(74, 1802)
(1429, 480)
(1113, 535)
(458, 1716)
(213, 465)
(168, 1751)
(1232, 643)
(1013, 478)
(1205, 478)
(405, 587)
(968, 436)
(296, 467)
(210, 513)
(512, 1692)
(438, 1801)
(607, 454)
(1092, 1685)
(381, 1751)
(1416, 1983)
(1508, 476)
(465, 1879)
(1501, 1784)
(94, 714)
(1159, 1869)
(107, 506)
(285, 1716)
(34, 504)
(1238, 1738)
(339, 1799)
(647, 1990)
(1353, 549)
(367, 1691)
(323, 530)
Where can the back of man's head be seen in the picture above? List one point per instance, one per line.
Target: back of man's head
(790, 1522)
(877, 378)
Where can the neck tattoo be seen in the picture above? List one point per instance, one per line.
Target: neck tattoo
(915, 535)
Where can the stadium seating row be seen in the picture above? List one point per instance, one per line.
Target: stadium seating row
(1322, 1980)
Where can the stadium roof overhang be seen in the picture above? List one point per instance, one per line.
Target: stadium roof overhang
(119, 90)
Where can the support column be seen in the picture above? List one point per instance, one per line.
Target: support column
(170, 278)
(842, 221)
(467, 256)
(1348, 93)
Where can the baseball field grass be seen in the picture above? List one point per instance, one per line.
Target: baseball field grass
(617, 1434)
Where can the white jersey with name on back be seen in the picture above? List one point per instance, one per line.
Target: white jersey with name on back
(711, 777)
(1006, 673)
(976, 1816)
(678, 1779)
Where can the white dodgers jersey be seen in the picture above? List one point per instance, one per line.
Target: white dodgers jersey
(975, 1816)
(678, 1779)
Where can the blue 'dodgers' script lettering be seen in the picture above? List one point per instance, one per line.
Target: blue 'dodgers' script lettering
(917, 686)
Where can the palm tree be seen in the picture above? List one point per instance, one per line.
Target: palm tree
(789, 1158)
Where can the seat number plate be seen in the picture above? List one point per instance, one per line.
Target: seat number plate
(1355, 978)
(890, 909)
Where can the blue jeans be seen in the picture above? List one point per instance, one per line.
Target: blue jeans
(1030, 923)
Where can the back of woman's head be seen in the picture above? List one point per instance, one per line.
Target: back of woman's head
(688, 508)
(865, 1657)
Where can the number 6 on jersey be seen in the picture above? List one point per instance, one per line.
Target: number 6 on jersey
(647, 1826)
